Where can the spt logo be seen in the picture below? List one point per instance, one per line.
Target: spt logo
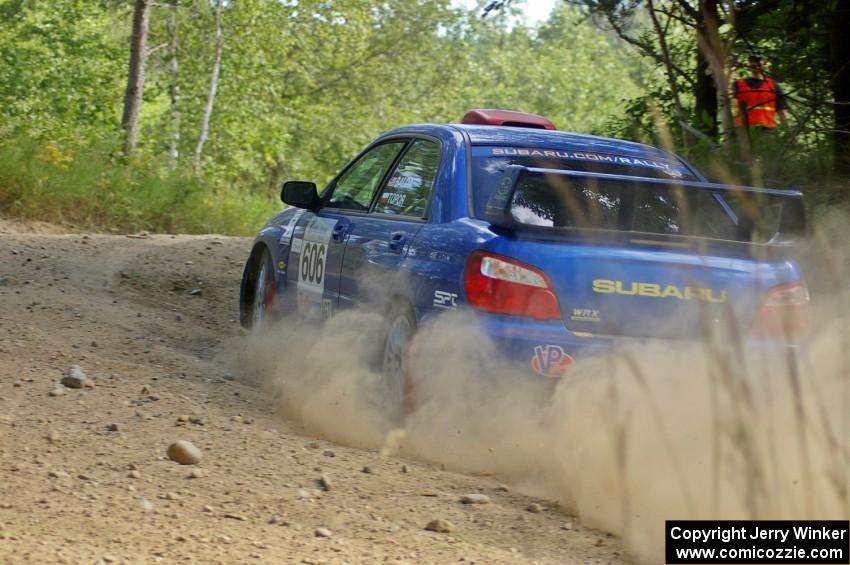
(551, 361)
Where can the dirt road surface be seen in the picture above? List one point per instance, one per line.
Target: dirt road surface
(84, 476)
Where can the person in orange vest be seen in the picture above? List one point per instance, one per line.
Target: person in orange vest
(760, 98)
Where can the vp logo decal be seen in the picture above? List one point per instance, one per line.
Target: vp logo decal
(551, 361)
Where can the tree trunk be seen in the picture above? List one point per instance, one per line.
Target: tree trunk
(711, 46)
(671, 76)
(276, 172)
(173, 90)
(136, 75)
(705, 91)
(205, 123)
(840, 59)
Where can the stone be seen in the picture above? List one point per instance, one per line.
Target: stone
(328, 453)
(171, 496)
(198, 474)
(58, 391)
(182, 418)
(134, 474)
(325, 483)
(475, 499)
(322, 533)
(196, 292)
(145, 504)
(367, 469)
(113, 427)
(74, 378)
(440, 525)
(178, 317)
(227, 377)
(534, 508)
(198, 421)
(405, 469)
(236, 517)
(58, 474)
(567, 526)
(184, 452)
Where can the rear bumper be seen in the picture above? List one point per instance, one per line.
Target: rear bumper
(550, 350)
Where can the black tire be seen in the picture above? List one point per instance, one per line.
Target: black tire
(395, 360)
(262, 293)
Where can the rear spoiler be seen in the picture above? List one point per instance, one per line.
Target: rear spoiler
(791, 224)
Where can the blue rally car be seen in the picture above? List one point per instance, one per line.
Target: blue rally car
(562, 244)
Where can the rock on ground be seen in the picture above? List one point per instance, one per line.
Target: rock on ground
(440, 526)
(475, 499)
(184, 452)
(75, 377)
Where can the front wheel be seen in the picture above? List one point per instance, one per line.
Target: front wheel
(264, 292)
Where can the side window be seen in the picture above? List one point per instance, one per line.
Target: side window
(355, 189)
(408, 189)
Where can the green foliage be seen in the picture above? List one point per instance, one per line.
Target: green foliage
(797, 44)
(303, 87)
(85, 186)
(566, 70)
(62, 68)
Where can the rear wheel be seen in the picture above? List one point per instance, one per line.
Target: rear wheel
(396, 364)
(264, 292)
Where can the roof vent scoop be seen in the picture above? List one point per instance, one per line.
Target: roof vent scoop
(507, 118)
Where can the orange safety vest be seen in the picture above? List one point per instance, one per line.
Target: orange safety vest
(759, 103)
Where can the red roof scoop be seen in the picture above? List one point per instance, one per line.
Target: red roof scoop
(507, 118)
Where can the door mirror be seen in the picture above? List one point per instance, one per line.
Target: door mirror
(301, 194)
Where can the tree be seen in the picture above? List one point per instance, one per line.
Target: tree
(173, 87)
(840, 82)
(136, 74)
(60, 69)
(208, 108)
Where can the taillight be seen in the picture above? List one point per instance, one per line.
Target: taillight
(506, 286)
(784, 312)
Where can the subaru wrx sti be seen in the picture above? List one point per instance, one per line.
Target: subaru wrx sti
(561, 244)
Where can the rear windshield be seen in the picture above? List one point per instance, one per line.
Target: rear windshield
(592, 203)
(489, 163)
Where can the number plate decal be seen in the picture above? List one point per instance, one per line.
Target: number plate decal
(312, 263)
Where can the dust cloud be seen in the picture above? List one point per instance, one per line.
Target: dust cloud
(647, 433)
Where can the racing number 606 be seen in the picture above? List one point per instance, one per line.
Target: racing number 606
(313, 262)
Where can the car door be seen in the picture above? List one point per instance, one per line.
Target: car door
(378, 242)
(319, 239)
